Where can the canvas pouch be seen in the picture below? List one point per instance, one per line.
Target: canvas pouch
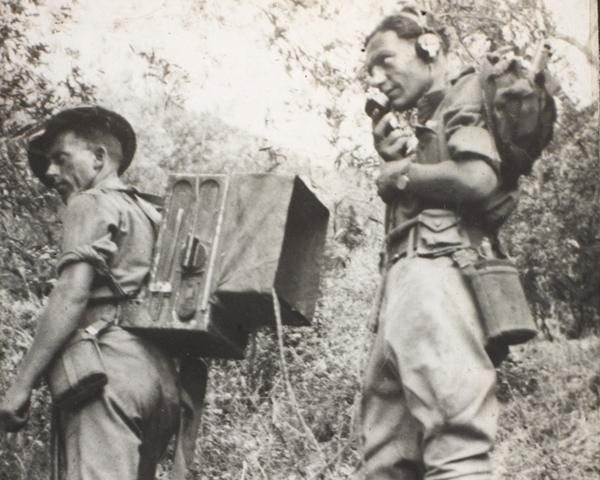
(78, 374)
(499, 295)
(438, 232)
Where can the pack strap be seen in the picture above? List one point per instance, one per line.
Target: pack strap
(152, 214)
(150, 211)
(97, 327)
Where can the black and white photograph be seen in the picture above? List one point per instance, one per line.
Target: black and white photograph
(299, 240)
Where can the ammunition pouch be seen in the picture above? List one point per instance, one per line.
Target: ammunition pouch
(78, 374)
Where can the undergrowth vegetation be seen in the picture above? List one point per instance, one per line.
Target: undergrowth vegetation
(549, 395)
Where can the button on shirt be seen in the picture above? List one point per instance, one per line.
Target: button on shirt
(106, 227)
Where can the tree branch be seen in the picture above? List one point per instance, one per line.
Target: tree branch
(585, 50)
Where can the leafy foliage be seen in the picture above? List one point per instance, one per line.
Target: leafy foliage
(554, 234)
(29, 228)
(549, 418)
(24, 455)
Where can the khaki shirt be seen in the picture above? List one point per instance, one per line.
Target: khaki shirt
(106, 227)
(451, 126)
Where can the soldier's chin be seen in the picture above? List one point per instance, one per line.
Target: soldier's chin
(401, 104)
(64, 192)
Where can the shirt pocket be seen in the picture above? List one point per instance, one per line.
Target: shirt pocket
(439, 232)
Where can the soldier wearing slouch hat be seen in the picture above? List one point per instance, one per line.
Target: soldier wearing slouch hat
(121, 431)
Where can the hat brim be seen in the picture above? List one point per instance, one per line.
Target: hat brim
(81, 119)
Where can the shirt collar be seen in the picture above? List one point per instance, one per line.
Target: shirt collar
(112, 183)
(428, 104)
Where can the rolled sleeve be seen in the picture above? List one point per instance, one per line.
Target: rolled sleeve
(88, 233)
(474, 141)
(467, 135)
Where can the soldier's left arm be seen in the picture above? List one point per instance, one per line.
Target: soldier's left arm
(57, 322)
(471, 172)
(467, 180)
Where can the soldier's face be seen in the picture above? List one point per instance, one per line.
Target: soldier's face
(73, 165)
(395, 68)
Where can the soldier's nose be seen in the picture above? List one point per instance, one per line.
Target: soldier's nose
(377, 77)
(52, 173)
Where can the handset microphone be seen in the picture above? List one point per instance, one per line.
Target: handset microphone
(378, 104)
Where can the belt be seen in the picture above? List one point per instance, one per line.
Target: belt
(433, 233)
(109, 310)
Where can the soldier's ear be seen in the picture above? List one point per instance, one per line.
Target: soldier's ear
(101, 155)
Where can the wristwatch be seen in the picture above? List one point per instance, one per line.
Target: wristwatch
(402, 182)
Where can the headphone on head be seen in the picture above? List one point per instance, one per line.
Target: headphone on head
(429, 43)
(428, 46)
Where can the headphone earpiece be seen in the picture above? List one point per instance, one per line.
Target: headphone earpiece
(428, 46)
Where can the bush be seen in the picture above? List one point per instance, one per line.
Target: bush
(24, 455)
(549, 421)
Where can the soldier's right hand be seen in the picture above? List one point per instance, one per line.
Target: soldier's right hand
(391, 142)
(14, 411)
(387, 181)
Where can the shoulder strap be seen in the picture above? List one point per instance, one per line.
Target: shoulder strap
(488, 86)
(155, 200)
(150, 206)
(146, 206)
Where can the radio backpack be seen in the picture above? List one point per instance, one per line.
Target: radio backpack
(520, 110)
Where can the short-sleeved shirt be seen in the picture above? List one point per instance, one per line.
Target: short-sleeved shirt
(451, 126)
(106, 227)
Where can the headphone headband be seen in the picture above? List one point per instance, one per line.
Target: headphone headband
(417, 15)
(412, 22)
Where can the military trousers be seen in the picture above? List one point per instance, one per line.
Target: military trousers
(122, 434)
(428, 408)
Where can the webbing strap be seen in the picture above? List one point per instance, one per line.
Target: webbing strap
(116, 287)
(69, 369)
(152, 216)
(489, 90)
(96, 328)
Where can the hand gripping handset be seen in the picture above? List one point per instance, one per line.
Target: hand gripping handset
(378, 104)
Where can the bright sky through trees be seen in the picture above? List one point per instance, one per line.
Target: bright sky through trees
(235, 73)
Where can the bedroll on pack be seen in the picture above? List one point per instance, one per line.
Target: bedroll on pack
(520, 109)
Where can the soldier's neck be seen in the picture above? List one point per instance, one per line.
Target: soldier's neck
(104, 175)
(439, 76)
